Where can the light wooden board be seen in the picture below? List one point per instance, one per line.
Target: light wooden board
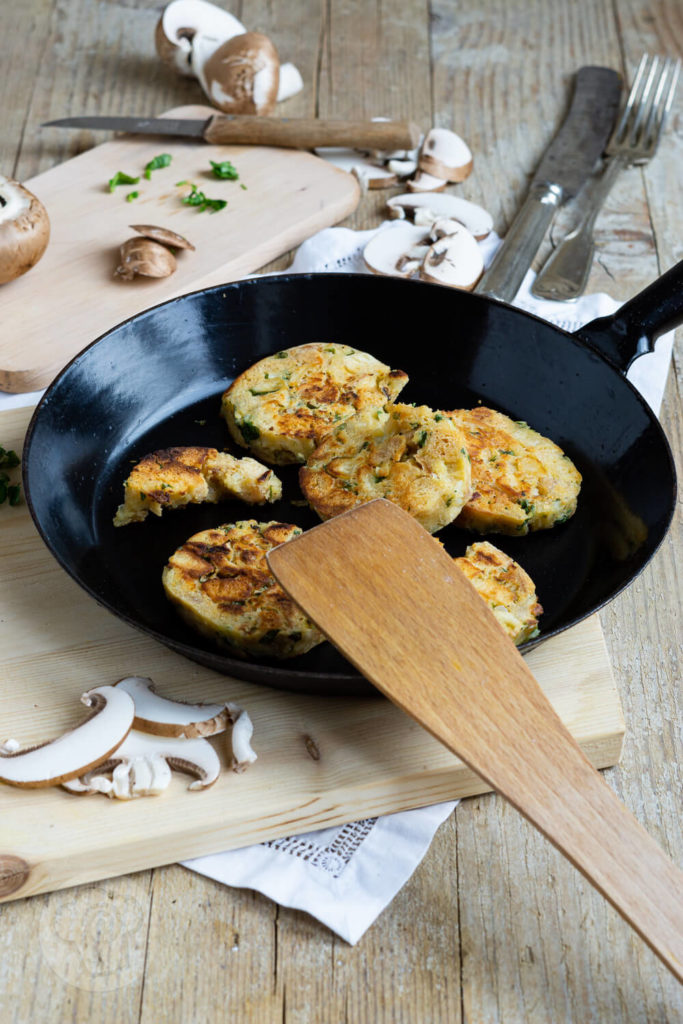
(321, 760)
(71, 296)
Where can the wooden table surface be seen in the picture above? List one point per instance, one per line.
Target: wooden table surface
(494, 925)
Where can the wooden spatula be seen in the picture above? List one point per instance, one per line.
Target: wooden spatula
(390, 598)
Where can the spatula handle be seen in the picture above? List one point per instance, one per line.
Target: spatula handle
(307, 133)
(612, 849)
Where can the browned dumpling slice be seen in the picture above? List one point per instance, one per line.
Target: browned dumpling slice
(507, 589)
(175, 477)
(408, 454)
(522, 481)
(220, 583)
(282, 406)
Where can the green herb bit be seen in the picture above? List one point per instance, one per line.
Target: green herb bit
(120, 178)
(242, 185)
(162, 160)
(422, 438)
(198, 199)
(224, 169)
(527, 505)
(8, 458)
(248, 430)
(14, 494)
(131, 196)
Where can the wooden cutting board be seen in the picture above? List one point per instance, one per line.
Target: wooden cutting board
(321, 761)
(71, 296)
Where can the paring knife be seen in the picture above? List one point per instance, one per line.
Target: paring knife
(565, 166)
(241, 129)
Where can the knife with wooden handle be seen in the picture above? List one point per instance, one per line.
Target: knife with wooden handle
(565, 166)
(246, 130)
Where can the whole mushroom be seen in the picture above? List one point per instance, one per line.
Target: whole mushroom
(24, 229)
(242, 76)
(182, 21)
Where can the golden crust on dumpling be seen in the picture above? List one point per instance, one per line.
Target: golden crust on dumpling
(508, 590)
(522, 481)
(408, 454)
(283, 405)
(220, 582)
(175, 477)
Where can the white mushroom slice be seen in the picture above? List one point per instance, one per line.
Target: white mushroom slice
(445, 155)
(182, 21)
(142, 767)
(164, 717)
(385, 250)
(24, 229)
(369, 174)
(76, 751)
(242, 75)
(423, 182)
(291, 82)
(243, 753)
(442, 227)
(455, 260)
(425, 209)
(402, 168)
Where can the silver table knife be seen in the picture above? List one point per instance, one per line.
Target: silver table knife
(565, 166)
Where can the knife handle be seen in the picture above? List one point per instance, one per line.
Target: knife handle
(515, 256)
(307, 133)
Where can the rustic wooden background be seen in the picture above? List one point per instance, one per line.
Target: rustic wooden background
(494, 925)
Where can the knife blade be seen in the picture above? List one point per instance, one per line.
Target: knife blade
(243, 129)
(565, 166)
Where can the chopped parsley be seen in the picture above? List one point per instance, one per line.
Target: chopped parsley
(131, 196)
(224, 169)
(120, 178)
(198, 199)
(162, 160)
(248, 430)
(8, 491)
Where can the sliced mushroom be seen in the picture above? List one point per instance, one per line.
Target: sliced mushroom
(164, 717)
(445, 155)
(162, 235)
(370, 174)
(77, 751)
(425, 209)
(242, 75)
(402, 168)
(182, 21)
(243, 753)
(423, 182)
(24, 229)
(455, 260)
(145, 257)
(392, 252)
(141, 766)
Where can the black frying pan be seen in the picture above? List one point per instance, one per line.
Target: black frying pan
(155, 381)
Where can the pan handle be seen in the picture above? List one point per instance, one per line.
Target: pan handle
(634, 328)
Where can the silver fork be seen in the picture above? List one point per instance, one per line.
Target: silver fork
(633, 141)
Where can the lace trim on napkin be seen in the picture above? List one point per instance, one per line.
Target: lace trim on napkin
(333, 857)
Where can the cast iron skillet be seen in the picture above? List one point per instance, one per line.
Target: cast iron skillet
(155, 381)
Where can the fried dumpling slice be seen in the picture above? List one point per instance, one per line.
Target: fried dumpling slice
(175, 477)
(522, 481)
(283, 405)
(220, 582)
(405, 453)
(508, 590)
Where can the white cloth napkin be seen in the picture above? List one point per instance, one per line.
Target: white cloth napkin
(346, 876)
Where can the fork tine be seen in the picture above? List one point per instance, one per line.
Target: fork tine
(642, 107)
(662, 103)
(620, 130)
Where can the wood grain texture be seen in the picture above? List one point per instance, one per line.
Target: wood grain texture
(495, 926)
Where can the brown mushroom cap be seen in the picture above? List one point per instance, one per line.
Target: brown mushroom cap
(242, 76)
(24, 229)
(163, 235)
